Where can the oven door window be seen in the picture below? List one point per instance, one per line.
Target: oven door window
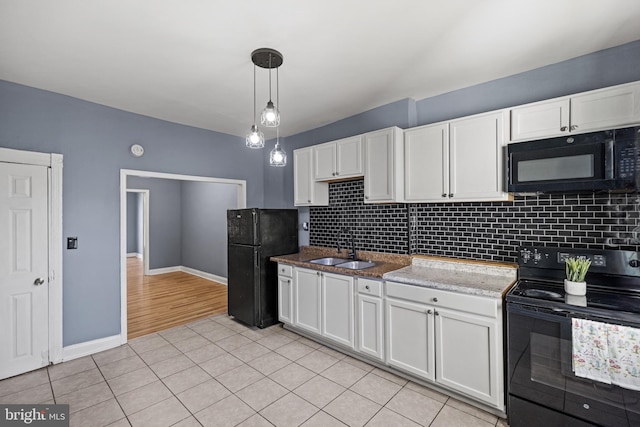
(540, 370)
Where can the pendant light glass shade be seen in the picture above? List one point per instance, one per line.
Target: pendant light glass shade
(270, 116)
(255, 138)
(278, 157)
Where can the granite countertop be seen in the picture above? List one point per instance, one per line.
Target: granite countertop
(487, 279)
(384, 262)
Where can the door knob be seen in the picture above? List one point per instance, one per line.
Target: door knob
(38, 281)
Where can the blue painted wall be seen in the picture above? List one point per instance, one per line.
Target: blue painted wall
(132, 223)
(204, 225)
(95, 142)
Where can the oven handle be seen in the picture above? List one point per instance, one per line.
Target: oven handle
(538, 312)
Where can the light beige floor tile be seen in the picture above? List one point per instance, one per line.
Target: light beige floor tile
(387, 418)
(205, 326)
(162, 414)
(452, 417)
(159, 354)
(255, 421)
(262, 393)
(71, 367)
(76, 382)
(269, 363)
(99, 415)
(111, 355)
(239, 378)
(218, 333)
(248, 352)
(292, 376)
(120, 367)
(147, 343)
(179, 333)
(230, 411)
(352, 409)
(204, 353)
(389, 376)
(132, 381)
(274, 341)
(171, 366)
(415, 406)
(344, 374)
(332, 352)
(289, 411)
(198, 322)
(358, 363)
(86, 397)
(232, 342)
(143, 397)
(319, 391)
(24, 382)
(426, 391)
(309, 343)
(199, 397)
(317, 361)
(37, 394)
(322, 419)
(472, 410)
(191, 343)
(376, 388)
(123, 422)
(502, 423)
(233, 324)
(257, 334)
(289, 334)
(294, 350)
(221, 364)
(186, 379)
(188, 422)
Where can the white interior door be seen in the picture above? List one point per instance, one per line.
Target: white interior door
(24, 290)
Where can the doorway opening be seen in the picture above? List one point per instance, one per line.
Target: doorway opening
(127, 175)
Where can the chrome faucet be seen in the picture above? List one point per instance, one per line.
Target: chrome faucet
(352, 253)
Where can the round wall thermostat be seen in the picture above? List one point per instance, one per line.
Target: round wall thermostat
(137, 150)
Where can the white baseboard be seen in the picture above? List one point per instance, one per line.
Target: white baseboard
(174, 269)
(134, 255)
(82, 349)
(204, 275)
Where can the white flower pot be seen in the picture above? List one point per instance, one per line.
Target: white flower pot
(575, 288)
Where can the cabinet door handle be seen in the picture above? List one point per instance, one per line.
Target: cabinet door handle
(450, 194)
(366, 287)
(308, 201)
(444, 194)
(437, 314)
(317, 273)
(288, 281)
(574, 127)
(434, 299)
(366, 197)
(563, 128)
(429, 311)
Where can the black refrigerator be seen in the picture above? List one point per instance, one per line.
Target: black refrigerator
(254, 235)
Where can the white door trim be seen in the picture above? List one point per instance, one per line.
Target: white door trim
(145, 225)
(54, 162)
(124, 173)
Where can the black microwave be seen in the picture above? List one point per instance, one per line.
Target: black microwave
(598, 161)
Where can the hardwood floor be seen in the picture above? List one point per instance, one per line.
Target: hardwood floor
(162, 301)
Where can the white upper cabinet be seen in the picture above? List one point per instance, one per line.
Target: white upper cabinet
(383, 166)
(600, 109)
(476, 158)
(426, 163)
(338, 159)
(307, 192)
(457, 161)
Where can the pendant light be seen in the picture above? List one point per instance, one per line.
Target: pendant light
(278, 157)
(255, 138)
(270, 116)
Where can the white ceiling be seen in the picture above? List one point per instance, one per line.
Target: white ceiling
(188, 61)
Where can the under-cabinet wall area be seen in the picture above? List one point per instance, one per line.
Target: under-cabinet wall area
(478, 230)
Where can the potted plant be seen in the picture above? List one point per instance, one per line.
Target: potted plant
(576, 269)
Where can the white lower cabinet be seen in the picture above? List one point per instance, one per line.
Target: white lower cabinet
(337, 308)
(410, 338)
(307, 296)
(370, 318)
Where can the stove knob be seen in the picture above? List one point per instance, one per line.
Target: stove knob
(537, 256)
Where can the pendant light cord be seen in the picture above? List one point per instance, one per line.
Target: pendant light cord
(254, 94)
(269, 77)
(277, 102)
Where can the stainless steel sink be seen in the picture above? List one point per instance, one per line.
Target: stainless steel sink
(356, 265)
(328, 261)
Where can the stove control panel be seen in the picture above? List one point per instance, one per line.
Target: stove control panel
(612, 262)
